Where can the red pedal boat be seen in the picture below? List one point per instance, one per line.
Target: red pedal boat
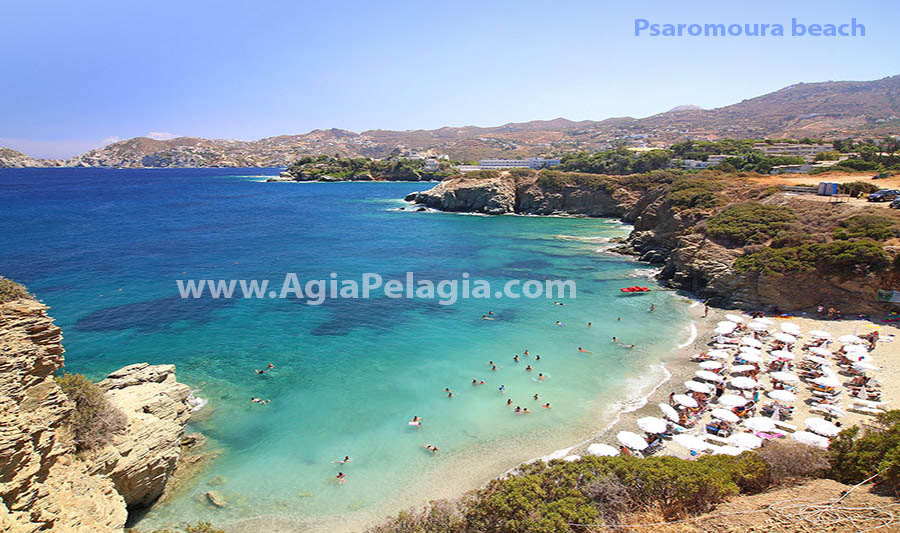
(634, 290)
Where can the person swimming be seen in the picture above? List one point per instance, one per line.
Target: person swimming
(541, 376)
(430, 448)
(525, 352)
(537, 357)
(449, 394)
(341, 478)
(582, 350)
(268, 368)
(559, 324)
(652, 307)
(343, 461)
(509, 401)
(491, 313)
(535, 396)
(525, 411)
(474, 382)
(528, 368)
(518, 409)
(516, 358)
(590, 324)
(416, 421)
(546, 405)
(558, 303)
(260, 401)
(615, 340)
(493, 367)
(485, 317)
(502, 388)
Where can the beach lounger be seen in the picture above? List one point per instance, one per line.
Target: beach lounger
(709, 437)
(784, 425)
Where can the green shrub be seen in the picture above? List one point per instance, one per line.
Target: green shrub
(695, 192)
(856, 455)
(10, 290)
(843, 258)
(857, 164)
(748, 470)
(94, 420)
(749, 223)
(854, 188)
(867, 226)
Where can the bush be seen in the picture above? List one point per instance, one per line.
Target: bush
(94, 420)
(854, 188)
(742, 224)
(867, 226)
(794, 461)
(436, 517)
(694, 193)
(10, 290)
(857, 164)
(843, 258)
(748, 470)
(855, 456)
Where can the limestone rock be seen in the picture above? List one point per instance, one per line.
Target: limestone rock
(141, 459)
(491, 196)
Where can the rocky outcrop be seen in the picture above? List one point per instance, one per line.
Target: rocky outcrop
(666, 236)
(43, 485)
(144, 456)
(13, 159)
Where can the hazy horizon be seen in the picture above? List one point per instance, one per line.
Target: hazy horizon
(88, 75)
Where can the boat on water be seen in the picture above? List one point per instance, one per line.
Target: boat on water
(634, 290)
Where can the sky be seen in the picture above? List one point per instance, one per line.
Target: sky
(78, 75)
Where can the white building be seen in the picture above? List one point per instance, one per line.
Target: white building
(431, 166)
(694, 164)
(531, 162)
(806, 151)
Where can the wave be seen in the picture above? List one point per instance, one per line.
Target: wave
(648, 272)
(692, 338)
(583, 238)
(196, 402)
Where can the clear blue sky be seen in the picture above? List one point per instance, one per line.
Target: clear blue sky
(80, 73)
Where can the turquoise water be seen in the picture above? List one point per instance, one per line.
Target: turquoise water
(104, 248)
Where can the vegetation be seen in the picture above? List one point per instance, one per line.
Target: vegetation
(616, 162)
(325, 167)
(94, 420)
(749, 223)
(856, 455)
(855, 188)
(843, 258)
(199, 527)
(10, 290)
(792, 461)
(867, 226)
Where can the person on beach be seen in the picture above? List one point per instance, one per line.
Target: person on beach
(430, 448)
(705, 310)
(582, 350)
(624, 450)
(343, 461)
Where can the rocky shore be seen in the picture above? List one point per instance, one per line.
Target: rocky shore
(666, 235)
(44, 485)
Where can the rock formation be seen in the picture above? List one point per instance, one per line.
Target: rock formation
(666, 236)
(43, 485)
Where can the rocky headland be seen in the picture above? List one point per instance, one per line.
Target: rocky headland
(670, 217)
(44, 483)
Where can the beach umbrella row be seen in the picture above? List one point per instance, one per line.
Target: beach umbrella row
(725, 414)
(732, 400)
(669, 412)
(706, 375)
(743, 382)
(685, 400)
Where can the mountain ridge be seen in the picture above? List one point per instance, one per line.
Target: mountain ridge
(831, 109)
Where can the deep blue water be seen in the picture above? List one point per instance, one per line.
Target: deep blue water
(104, 247)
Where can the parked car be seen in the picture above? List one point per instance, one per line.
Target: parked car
(884, 195)
(895, 204)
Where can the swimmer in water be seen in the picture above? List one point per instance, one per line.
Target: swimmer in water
(516, 358)
(343, 461)
(416, 421)
(559, 324)
(652, 307)
(546, 405)
(509, 401)
(582, 350)
(630, 346)
(615, 340)
(528, 368)
(446, 389)
(518, 409)
(430, 448)
(619, 319)
(502, 388)
(493, 367)
(491, 313)
(590, 324)
(485, 317)
(525, 352)
(535, 396)
(474, 382)
(537, 357)
(341, 478)
(449, 394)
(541, 377)
(558, 303)
(525, 411)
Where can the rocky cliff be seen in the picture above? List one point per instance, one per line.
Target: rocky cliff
(672, 237)
(43, 484)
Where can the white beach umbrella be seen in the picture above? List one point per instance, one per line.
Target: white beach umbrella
(745, 440)
(759, 423)
(669, 411)
(782, 395)
(602, 450)
(791, 329)
(822, 427)
(724, 331)
(737, 369)
(718, 354)
(558, 454)
(752, 342)
(632, 440)
(710, 365)
(812, 439)
(785, 338)
(786, 377)
(732, 400)
(749, 357)
(818, 360)
(827, 381)
(863, 365)
(734, 318)
(727, 324)
(725, 414)
(823, 352)
(685, 400)
(728, 450)
(696, 386)
(783, 354)
(691, 442)
(742, 382)
(758, 326)
(651, 424)
(850, 339)
(855, 349)
(706, 375)
(748, 349)
(819, 334)
(571, 458)
(765, 320)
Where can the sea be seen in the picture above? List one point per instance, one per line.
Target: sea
(105, 248)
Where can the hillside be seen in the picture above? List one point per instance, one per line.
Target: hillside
(827, 109)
